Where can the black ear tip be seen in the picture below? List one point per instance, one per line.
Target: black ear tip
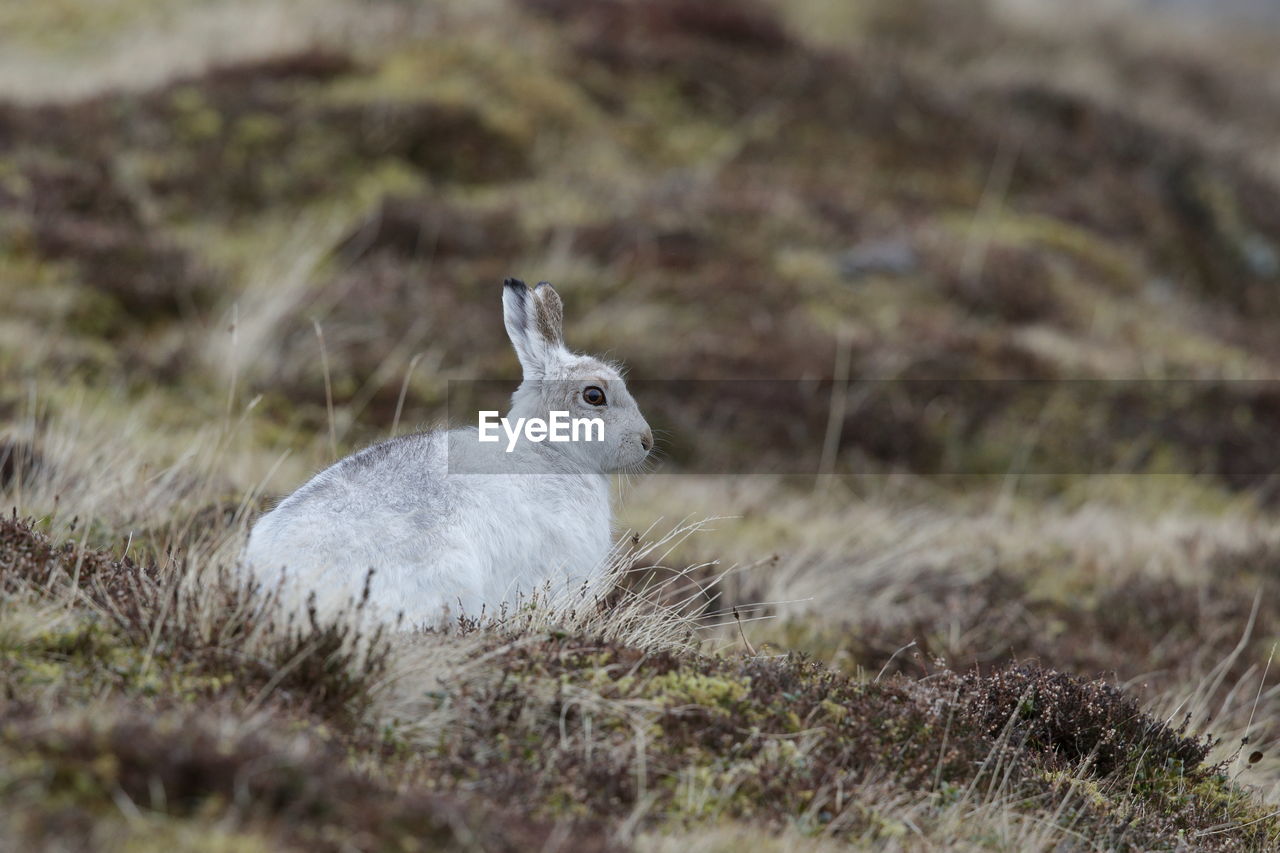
(514, 284)
(542, 284)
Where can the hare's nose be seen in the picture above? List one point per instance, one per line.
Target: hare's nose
(646, 440)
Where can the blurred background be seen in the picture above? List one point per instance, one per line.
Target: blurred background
(239, 239)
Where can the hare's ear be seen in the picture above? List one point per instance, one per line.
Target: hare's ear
(535, 324)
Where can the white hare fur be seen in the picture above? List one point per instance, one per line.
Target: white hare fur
(450, 525)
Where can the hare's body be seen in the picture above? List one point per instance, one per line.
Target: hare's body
(435, 540)
(449, 524)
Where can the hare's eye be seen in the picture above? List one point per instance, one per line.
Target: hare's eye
(593, 396)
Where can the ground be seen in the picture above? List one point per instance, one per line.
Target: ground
(1012, 616)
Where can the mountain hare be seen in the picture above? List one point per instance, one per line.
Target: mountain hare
(450, 523)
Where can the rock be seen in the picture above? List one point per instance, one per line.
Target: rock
(878, 257)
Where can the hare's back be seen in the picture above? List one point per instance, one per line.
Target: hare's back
(401, 474)
(371, 494)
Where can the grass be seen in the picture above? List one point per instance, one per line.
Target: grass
(1007, 661)
(597, 720)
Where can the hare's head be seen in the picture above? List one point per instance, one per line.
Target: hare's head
(557, 380)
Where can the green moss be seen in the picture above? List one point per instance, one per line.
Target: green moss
(160, 834)
(84, 660)
(685, 688)
(509, 82)
(196, 120)
(96, 315)
(256, 129)
(74, 27)
(1087, 789)
(1170, 795)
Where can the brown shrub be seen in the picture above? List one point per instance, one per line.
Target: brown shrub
(28, 558)
(528, 736)
(727, 719)
(446, 141)
(323, 666)
(1165, 631)
(263, 145)
(748, 26)
(1195, 215)
(79, 211)
(1075, 721)
(246, 136)
(81, 189)
(722, 56)
(297, 788)
(640, 245)
(426, 228)
(747, 705)
(312, 64)
(1014, 285)
(147, 276)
